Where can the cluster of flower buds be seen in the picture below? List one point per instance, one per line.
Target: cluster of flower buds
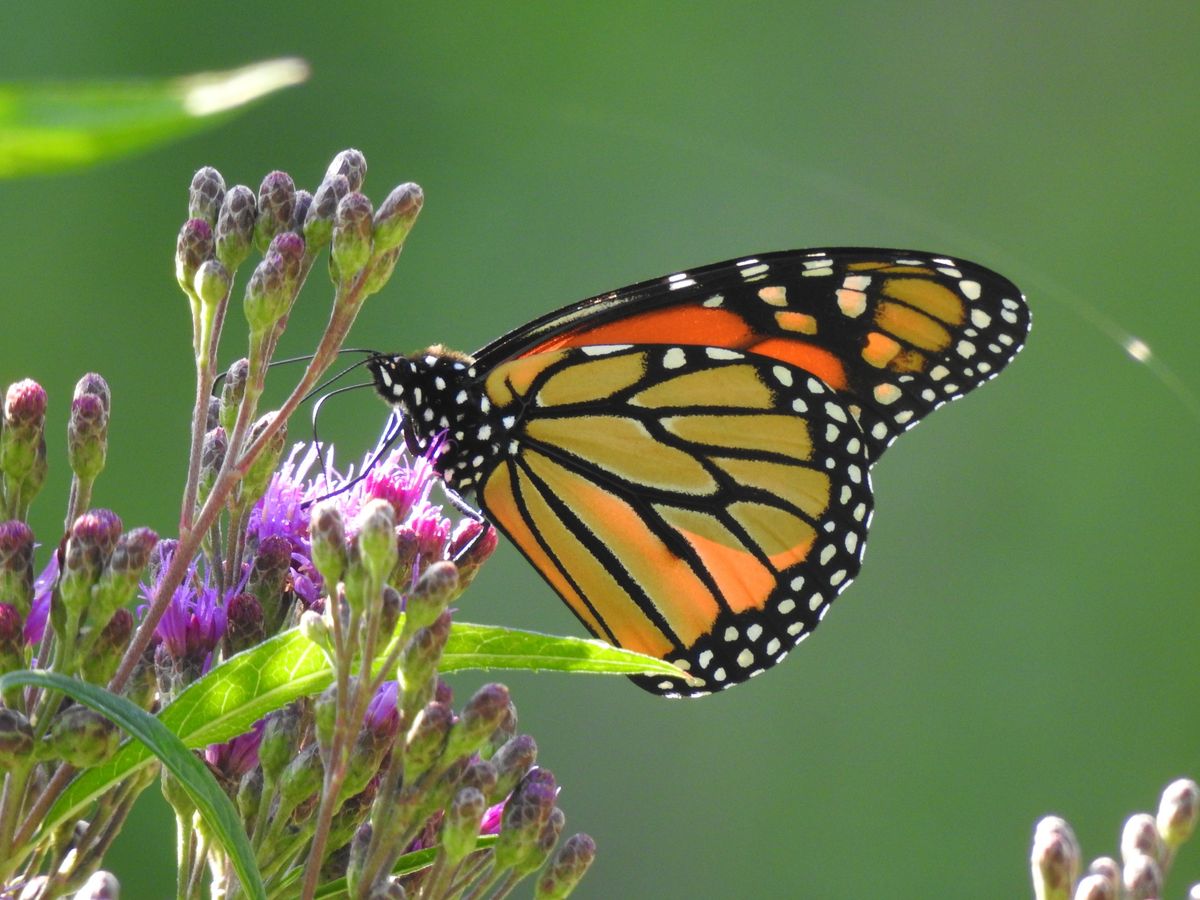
(1148, 847)
(72, 618)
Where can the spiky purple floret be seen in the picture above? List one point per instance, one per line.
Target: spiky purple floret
(194, 621)
(236, 757)
(35, 622)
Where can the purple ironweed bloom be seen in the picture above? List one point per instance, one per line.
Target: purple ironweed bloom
(236, 757)
(383, 715)
(194, 622)
(492, 818)
(35, 622)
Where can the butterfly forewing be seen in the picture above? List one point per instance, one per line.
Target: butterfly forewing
(896, 333)
(697, 504)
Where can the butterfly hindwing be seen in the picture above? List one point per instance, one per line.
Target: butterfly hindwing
(697, 504)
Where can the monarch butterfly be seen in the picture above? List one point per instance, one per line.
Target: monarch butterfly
(686, 460)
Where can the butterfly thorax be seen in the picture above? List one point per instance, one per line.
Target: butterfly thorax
(438, 396)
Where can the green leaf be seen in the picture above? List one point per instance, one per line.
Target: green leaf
(51, 127)
(148, 732)
(241, 690)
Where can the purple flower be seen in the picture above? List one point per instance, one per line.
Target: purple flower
(383, 715)
(35, 623)
(236, 757)
(194, 622)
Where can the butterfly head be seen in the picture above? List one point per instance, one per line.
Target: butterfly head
(438, 394)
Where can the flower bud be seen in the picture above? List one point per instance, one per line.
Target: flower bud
(142, 687)
(1177, 811)
(512, 761)
(483, 712)
(16, 565)
(303, 202)
(1143, 878)
(1107, 868)
(314, 627)
(267, 294)
(82, 737)
(268, 573)
(280, 739)
(235, 227)
(547, 839)
(328, 534)
(206, 194)
(433, 591)
(87, 436)
(460, 827)
(258, 476)
(91, 542)
(318, 221)
(376, 539)
(351, 248)
(249, 797)
(232, 391)
(212, 282)
(100, 663)
(568, 868)
(1096, 887)
(473, 543)
(16, 739)
(421, 656)
(395, 217)
(1140, 837)
(22, 441)
(244, 626)
(193, 247)
(525, 814)
(212, 458)
(1055, 859)
(276, 208)
(12, 641)
(350, 163)
(125, 567)
(426, 738)
(300, 779)
(101, 886)
(383, 264)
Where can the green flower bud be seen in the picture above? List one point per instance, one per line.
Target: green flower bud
(267, 295)
(16, 739)
(291, 249)
(574, 858)
(512, 761)
(350, 163)
(82, 737)
(325, 708)
(235, 227)
(22, 443)
(249, 797)
(212, 418)
(389, 613)
(276, 208)
(91, 542)
(432, 593)
(376, 538)
(426, 739)
(212, 282)
(258, 476)
(87, 427)
(206, 194)
(314, 627)
(1109, 869)
(381, 271)
(193, 247)
(546, 841)
(100, 663)
(328, 534)
(119, 581)
(396, 216)
(420, 658)
(460, 827)
(351, 247)
(142, 687)
(12, 644)
(16, 565)
(473, 543)
(1054, 860)
(232, 391)
(268, 575)
(280, 738)
(318, 221)
(479, 774)
(525, 814)
(1177, 812)
(303, 202)
(1140, 837)
(301, 778)
(483, 712)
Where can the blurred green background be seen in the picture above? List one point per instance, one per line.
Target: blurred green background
(1023, 638)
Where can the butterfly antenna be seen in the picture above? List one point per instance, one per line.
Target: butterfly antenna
(385, 445)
